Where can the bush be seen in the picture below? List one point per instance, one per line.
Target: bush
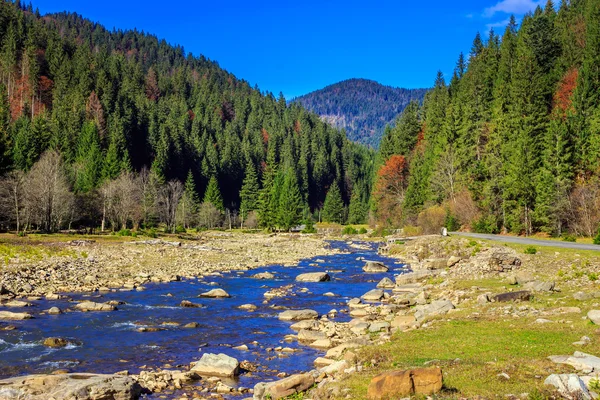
(124, 232)
(362, 231)
(486, 224)
(597, 238)
(569, 238)
(410, 230)
(151, 233)
(349, 230)
(309, 226)
(451, 222)
(531, 250)
(432, 219)
(592, 276)
(180, 229)
(380, 232)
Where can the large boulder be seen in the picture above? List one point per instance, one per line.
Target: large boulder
(306, 335)
(263, 275)
(217, 365)
(395, 384)
(540, 286)
(570, 386)
(91, 306)
(313, 277)
(283, 388)
(579, 360)
(438, 307)
(216, 294)
(414, 277)
(12, 316)
(55, 342)
(594, 316)
(386, 283)
(373, 295)
(70, 386)
(375, 266)
(298, 315)
(522, 295)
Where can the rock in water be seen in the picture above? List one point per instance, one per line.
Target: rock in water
(216, 294)
(375, 266)
(313, 277)
(91, 306)
(55, 342)
(189, 304)
(298, 315)
(217, 365)
(11, 316)
(283, 388)
(70, 386)
(423, 381)
(263, 275)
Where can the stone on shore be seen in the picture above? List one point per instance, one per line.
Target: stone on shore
(215, 294)
(298, 315)
(313, 277)
(78, 386)
(414, 277)
(437, 307)
(11, 316)
(594, 316)
(283, 388)
(570, 386)
(386, 283)
(306, 335)
(395, 384)
(579, 360)
(373, 295)
(217, 365)
(375, 266)
(91, 306)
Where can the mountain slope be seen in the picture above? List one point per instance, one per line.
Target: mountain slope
(361, 106)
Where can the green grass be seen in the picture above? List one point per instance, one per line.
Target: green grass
(472, 354)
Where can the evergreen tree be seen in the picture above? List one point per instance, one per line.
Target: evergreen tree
(249, 194)
(333, 208)
(290, 202)
(358, 209)
(213, 194)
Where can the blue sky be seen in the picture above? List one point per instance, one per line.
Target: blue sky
(299, 46)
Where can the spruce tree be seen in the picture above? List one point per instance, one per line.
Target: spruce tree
(249, 194)
(213, 194)
(358, 209)
(290, 202)
(333, 208)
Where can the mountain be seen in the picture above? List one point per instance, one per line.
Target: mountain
(112, 103)
(360, 106)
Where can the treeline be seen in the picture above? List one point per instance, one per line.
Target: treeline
(360, 106)
(512, 142)
(123, 105)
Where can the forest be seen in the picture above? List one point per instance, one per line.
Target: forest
(119, 130)
(511, 142)
(360, 106)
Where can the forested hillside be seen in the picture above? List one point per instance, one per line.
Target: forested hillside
(360, 106)
(120, 129)
(512, 141)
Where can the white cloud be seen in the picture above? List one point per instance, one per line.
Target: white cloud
(518, 7)
(499, 24)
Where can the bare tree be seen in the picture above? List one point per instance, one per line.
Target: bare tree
(445, 176)
(11, 197)
(147, 183)
(209, 215)
(585, 208)
(168, 198)
(121, 201)
(48, 198)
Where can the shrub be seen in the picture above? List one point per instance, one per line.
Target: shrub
(180, 229)
(410, 230)
(592, 276)
(531, 250)
(569, 238)
(362, 231)
(486, 224)
(451, 222)
(349, 230)
(150, 233)
(597, 238)
(432, 219)
(380, 232)
(309, 226)
(124, 232)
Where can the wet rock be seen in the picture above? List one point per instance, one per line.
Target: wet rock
(424, 381)
(373, 295)
(570, 386)
(594, 316)
(283, 388)
(217, 365)
(298, 315)
(55, 342)
(522, 295)
(386, 283)
(91, 306)
(375, 266)
(313, 277)
(215, 294)
(191, 325)
(248, 307)
(263, 275)
(11, 316)
(189, 304)
(54, 311)
(70, 386)
(16, 304)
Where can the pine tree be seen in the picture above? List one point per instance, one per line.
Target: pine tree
(189, 204)
(333, 208)
(290, 202)
(358, 209)
(213, 194)
(249, 194)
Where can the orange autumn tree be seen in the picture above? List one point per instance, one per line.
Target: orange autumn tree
(389, 190)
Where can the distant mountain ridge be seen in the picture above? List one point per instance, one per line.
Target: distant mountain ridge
(361, 106)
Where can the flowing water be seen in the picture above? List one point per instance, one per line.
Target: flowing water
(107, 342)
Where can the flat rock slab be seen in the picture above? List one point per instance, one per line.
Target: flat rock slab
(373, 295)
(11, 316)
(579, 360)
(594, 316)
(313, 277)
(217, 365)
(414, 277)
(396, 384)
(283, 388)
(70, 386)
(375, 266)
(539, 286)
(216, 294)
(569, 385)
(91, 306)
(523, 295)
(16, 303)
(298, 315)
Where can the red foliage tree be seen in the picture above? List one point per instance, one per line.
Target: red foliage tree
(563, 98)
(389, 190)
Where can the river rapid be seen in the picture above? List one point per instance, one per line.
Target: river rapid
(108, 342)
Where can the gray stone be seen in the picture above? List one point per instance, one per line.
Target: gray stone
(522, 295)
(298, 315)
(373, 295)
(263, 275)
(283, 388)
(579, 360)
(375, 266)
(438, 307)
(539, 286)
(11, 316)
(581, 296)
(313, 277)
(91, 306)
(414, 277)
(306, 335)
(216, 365)
(570, 386)
(78, 386)
(379, 326)
(483, 299)
(215, 294)
(452, 261)
(594, 316)
(54, 311)
(386, 283)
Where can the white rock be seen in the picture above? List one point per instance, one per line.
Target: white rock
(217, 365)
(569, 385)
